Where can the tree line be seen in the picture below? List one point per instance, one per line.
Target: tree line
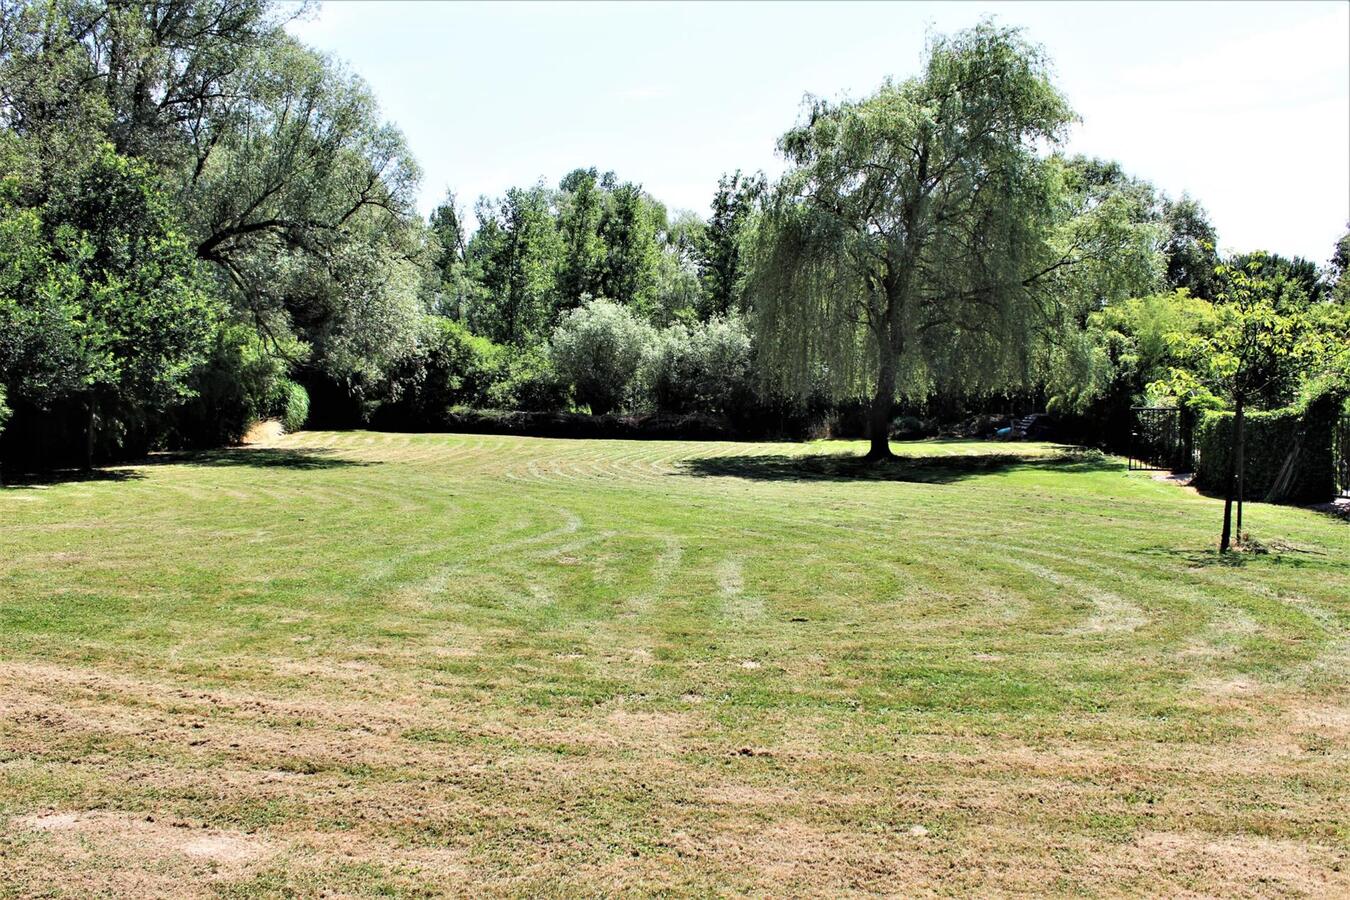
(204, 222)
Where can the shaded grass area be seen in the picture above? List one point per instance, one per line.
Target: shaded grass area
(376, 664)
(943, 469)
(262, 458)
(256, 457)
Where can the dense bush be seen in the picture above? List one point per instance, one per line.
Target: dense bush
(460, 367)
(235, 387)
(103, 313)
(1137, 341)
(704, 367)
(290, 404)
(596, 350)
(1269, 438)
(450, 366)
(527, 381)
(454, 369)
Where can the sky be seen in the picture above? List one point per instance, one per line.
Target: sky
(1244, 106)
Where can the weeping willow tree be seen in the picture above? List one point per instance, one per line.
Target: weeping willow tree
(922, 240)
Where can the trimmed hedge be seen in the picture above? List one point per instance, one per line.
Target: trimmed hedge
(1269, 438)
(763, 423)
(578, 425)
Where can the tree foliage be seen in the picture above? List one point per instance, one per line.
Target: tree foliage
(1191, 248)
(514, 257)
(539, 253)
(1262, 327)
(702, 367)
(274, 157)
(920, 242)
(581, 203)
(1337, 267)
(722, 249)
(451, 235)
(597, 349)
(631, 226)
(1259, 341)
(98, 289)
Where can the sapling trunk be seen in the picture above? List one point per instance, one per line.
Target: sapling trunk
(1234, 481)
(1239, 421)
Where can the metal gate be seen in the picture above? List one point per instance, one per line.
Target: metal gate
(1159, 440)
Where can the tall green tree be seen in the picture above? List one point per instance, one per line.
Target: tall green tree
(581, 204)
(101, 303)
(722, 261)
(630, 227)
(514, 258)
(1337, 267)
(1305, 273)
(1191, 249)
(679, 287)
(295, 198)
(275, 156)
(173, 71)
(48, 97)
(920, 242)
(448, 227)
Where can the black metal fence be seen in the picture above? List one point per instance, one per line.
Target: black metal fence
(1160, 440)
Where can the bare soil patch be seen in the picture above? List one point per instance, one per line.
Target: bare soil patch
(142, 839)
(263, 433)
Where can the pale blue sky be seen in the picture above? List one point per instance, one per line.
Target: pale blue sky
(1244, 105)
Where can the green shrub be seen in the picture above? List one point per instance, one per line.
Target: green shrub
(528, 382)
(1270, 436)
(290, 404)
(596, 349)
(451, 367)
(4, 409)
(455, 369)
(703, 367)
(236, 386)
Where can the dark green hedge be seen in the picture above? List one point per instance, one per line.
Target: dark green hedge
(1269, 438)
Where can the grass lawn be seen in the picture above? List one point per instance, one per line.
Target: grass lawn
(377, 664)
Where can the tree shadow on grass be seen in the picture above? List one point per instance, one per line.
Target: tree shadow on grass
(16, 480)
(254, 457)
(1278, 554)
(259, 458)
(918, 469)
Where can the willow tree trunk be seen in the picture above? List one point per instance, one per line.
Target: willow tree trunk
(889, 337)
(879, 417)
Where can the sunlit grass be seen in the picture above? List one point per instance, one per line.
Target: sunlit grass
(400, 663)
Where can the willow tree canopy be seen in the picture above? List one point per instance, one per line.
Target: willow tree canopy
(924, 238)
